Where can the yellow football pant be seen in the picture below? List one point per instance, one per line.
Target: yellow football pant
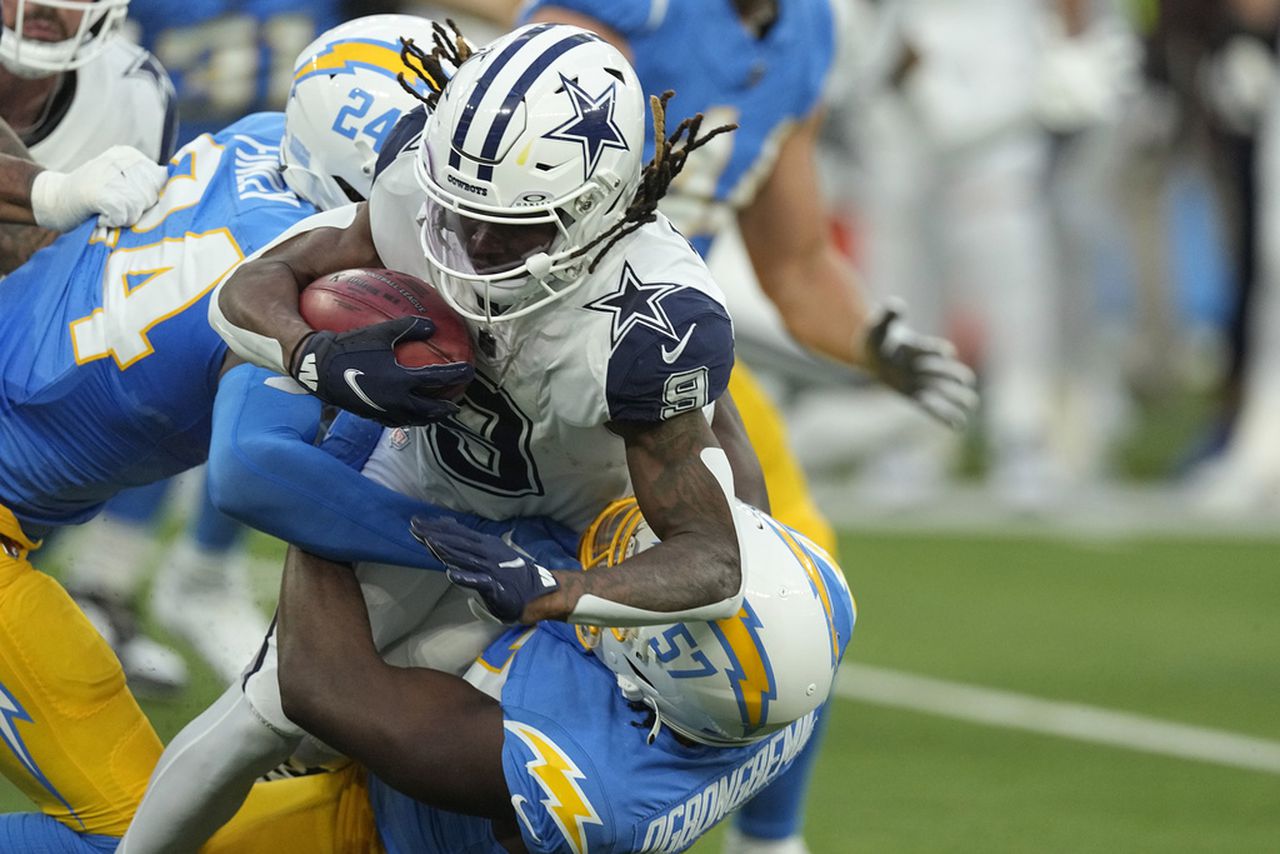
(791, 503)
(319, 814)
(74, 740)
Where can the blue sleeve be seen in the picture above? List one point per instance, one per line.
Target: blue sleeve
(628, 19)
(660, 370)
(265, 471)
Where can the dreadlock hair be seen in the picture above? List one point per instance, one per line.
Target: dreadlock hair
(448, 46)
(669, 155)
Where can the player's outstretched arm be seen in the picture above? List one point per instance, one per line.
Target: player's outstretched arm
(428, 734)
(37, 203)
(821, 301)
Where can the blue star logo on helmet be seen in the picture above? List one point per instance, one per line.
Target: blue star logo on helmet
(592, 125)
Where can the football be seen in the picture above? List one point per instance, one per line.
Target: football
(350, 299)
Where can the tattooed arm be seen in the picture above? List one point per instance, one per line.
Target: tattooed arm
(697, 563)
(19, 237)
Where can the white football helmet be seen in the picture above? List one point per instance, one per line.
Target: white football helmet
(344, 101)
(30, 56)
(533, 151)
(736, 680)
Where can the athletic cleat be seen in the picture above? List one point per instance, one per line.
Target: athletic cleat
(151, 668)
(203, 597)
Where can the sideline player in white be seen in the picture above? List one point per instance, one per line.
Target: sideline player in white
(71, 86)
(601, 341)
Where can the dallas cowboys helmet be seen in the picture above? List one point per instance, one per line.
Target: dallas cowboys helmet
(344, 101)
(735, 680)
(533, 151)
(31, 57)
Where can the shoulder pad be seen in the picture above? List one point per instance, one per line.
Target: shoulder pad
(671, 349)
(403, 136)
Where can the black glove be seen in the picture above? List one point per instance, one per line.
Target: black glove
(506, 580)
(921, 367)
(358, 371)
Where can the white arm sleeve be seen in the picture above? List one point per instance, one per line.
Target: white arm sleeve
(263, 350)
(596, 611)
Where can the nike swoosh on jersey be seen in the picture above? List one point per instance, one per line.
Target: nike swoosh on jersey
(670, 356)
(350, 375)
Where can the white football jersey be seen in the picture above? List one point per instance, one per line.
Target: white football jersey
(122, 97)
(644, 338)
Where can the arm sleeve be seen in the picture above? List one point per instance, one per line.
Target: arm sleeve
(265, 472)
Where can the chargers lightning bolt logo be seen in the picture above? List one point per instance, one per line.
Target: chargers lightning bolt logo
(346, 56)
(558, 777)
(11, 713)
(750, 671)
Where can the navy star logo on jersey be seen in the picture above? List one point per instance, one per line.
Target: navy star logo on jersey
(592, 125)
(636, 303)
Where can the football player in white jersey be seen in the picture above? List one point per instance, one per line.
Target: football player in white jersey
(70, 86)
(601, 343)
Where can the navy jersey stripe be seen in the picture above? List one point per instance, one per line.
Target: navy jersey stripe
(482, 88)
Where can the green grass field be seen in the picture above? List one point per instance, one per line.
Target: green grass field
(1181, 631)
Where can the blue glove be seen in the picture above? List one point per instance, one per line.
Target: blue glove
(506, 580)
(358, 371)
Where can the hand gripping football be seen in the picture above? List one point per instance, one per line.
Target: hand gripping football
(350, 299)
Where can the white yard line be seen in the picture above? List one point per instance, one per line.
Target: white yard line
(1007, 709)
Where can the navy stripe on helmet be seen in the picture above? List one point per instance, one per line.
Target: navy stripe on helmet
(482, 86)
(517, 93)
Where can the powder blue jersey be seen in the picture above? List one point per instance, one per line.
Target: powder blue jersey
(581, 772)
(700, 49)
(108, 366)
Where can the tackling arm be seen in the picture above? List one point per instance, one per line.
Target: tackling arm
(430, 735)
(696, 571)
(37, 203)
(19, 237)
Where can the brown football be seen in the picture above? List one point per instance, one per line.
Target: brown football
(350, 299)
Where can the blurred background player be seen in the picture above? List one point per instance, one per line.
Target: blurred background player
(953, 117)
(70, 85)
(227, 60)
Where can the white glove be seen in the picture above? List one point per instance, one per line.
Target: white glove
(1085, 79)
(922, 367)
(119, 184)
